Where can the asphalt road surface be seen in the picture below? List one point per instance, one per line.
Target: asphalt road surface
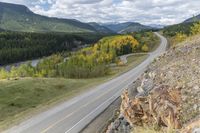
(73, 115)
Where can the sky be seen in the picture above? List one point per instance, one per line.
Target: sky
(163, 12)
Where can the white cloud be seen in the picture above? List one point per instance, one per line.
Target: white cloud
(144, 11)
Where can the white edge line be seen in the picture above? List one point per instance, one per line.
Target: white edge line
(101, 105)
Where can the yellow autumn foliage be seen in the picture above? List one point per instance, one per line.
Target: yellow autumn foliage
(195, 29)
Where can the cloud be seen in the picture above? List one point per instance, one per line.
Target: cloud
(143, 11)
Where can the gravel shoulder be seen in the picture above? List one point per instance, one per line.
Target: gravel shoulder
(100, 124)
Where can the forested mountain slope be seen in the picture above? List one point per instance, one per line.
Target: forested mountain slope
(127, 27)
(19, 18)
(101, 28)
(193, 19)
(15, 46)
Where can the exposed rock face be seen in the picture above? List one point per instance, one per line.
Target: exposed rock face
(160, 107)
(168, 94)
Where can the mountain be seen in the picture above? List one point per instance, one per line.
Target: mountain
(126, 27)
(193, 19)
(117, 26)
(100, 28)
(157, 26)
(15, 17)
(135, 27)
(172, 30)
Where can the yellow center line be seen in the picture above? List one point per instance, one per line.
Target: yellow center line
(54, 124)
(51, 126)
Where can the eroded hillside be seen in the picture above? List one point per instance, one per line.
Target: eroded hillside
(166, 97)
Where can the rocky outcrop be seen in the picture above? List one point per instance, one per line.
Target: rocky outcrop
(160, 107)
(168, 94)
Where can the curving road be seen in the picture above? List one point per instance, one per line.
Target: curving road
(73, 115)
(124, 58)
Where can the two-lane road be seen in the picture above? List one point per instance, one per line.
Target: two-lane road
(73, 115)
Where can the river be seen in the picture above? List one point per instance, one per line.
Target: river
(33, 63)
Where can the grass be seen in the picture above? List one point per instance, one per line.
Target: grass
(136, 59)
(156, 44)
(22, 98)
(25, 97)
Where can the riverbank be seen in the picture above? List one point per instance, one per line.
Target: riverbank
(33, 63)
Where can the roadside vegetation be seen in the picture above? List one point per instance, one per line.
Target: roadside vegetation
(148, 40)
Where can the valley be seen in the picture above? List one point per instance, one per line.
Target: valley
(45, 75)
(103, 90)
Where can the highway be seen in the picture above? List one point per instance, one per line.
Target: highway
(73, 115)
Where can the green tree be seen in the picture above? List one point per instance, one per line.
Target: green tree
(13, 72)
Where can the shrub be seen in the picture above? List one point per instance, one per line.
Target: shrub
(145, 48)
(195, 29)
